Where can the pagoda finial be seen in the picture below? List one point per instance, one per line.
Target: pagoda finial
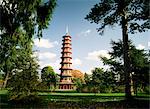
(67, 31)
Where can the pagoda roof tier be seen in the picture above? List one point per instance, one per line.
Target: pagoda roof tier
(66, 57)
(66, 62)
(67, 42)
(66, 39)
(66, 52)
(66, 36)
(65, 47)
(62, 68)
(66, 68)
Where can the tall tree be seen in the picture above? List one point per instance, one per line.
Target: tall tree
(29, 17)
(139, 63)
(49, 76)
(128, 14)
(24, 75)
(104, 80)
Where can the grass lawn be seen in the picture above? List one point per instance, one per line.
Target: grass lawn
(2, 91)
(85, 100)
(81, 94)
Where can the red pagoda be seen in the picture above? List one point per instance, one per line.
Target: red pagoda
(65, 75)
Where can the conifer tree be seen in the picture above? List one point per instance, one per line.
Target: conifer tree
(127, 14)
(29, 17)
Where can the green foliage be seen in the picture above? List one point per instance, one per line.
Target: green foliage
(27, 15)
(24, 77)
(131, 15)
(147, 89)
(87, 78)
(78, 83)
(139, 62)
(110, 12)
(100, 81)
(27, 101)
(1, 75)
(118, 88)
(49, 76)
(104, 80)
(20, 21)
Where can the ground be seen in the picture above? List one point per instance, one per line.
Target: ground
(82, 100)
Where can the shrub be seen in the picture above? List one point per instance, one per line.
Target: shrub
(32, 99)
(147, 89)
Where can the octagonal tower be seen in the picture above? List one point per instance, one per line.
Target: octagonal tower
(65, 75)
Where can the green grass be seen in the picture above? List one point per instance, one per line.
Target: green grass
(3, 91)
(82, 94)
(79, 100)
(99, 97)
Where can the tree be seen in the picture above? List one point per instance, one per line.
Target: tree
(25, 80)
(78, 83)
(48, 76)
(17, 16)
(139, 63)
(77, 74)
(24, 77)
(78, 79)
(27, 15)
(87, 79)
(12, 54)
(104, 80)
(128, 14)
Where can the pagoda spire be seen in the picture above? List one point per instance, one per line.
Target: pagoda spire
(67, 31)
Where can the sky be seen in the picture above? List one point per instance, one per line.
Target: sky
(87, 44)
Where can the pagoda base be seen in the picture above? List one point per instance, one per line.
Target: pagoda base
(67, 86)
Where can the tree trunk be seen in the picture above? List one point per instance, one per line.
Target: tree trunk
(126, 57)
(5, 81)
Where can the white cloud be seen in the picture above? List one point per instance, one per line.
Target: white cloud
(89, 71)
(46, 55)
(85, 33)
(76, 62)
(96, 54)
(55, 42)
(44, 43)
(148, 44)
(55, 65)
(140, 47)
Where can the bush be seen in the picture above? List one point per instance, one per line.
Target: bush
(119, 89)
(147, 89)
(29, 100)
(85, 89)
(42, 86)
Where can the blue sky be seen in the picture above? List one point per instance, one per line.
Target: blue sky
(87, 44)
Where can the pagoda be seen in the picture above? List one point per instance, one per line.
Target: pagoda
(65, 75)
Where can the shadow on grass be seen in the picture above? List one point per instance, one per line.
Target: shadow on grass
(43, 102)
(123, 104)
(29, 102)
